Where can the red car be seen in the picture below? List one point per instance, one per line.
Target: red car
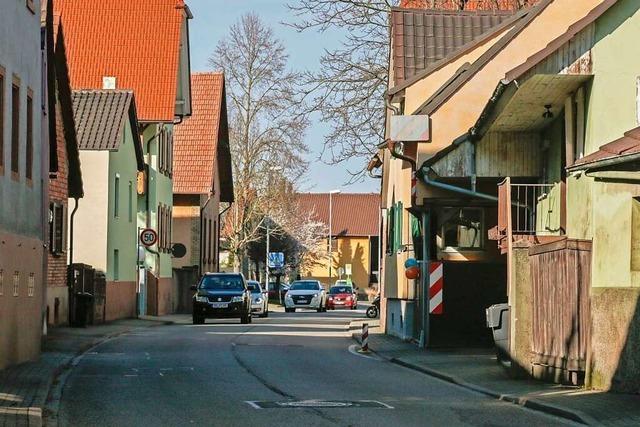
(341, 297)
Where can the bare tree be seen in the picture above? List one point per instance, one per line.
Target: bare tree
(267, 129)
(348, 90)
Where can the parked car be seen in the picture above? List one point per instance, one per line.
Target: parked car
(259, 299)
(221, 295)
(354, 289)
(305, 294)
(341, 297)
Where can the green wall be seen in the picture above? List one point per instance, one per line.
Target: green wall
(122, 229)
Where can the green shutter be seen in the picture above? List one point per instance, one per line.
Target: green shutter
(398, 229)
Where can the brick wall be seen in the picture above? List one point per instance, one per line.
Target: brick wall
(58, 192)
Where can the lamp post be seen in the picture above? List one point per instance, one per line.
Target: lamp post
(266, 259)
(331, 193)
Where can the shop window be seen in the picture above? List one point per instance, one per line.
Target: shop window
(463, 228)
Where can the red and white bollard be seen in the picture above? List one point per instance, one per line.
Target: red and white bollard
(365, 338)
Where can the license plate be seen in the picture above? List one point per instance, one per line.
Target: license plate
(339, 302)
(219, 304)
(302, 301)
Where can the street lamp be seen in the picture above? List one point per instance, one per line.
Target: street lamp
(331, 193)
(266, 263)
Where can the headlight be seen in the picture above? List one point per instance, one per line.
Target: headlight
(258, 300)
(237, 299)
(287, 296)
(200, 298)
(316, 295)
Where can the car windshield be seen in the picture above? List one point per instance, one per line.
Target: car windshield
(222, 283)
(254, 287)
(305, 285)
(340, 290)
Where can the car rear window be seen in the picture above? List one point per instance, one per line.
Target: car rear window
(305, 285)
(254, 287)
(222, 283)
(340, 290)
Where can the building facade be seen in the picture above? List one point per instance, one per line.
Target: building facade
(24, 165)
(155, 65)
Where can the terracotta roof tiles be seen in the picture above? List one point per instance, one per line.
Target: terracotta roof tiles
(196, 138)
(625, 146)
(353, 214)
(137, 42)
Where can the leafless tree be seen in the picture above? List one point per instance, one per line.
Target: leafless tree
(348, 90)
(267, 128)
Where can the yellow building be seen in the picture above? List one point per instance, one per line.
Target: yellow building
(354, 220)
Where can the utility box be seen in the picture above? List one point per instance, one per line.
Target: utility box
(498, 316)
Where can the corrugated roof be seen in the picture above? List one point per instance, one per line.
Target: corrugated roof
(627, 145)
(195, 140)
(137, 42)
(353, 214)
(423, 37)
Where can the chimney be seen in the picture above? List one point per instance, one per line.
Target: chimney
(108, 82)
(415, 4)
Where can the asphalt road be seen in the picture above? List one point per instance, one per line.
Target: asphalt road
(218, 373)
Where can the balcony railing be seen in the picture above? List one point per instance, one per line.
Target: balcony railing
(528, 211)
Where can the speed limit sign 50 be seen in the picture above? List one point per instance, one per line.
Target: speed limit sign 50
(148, 237)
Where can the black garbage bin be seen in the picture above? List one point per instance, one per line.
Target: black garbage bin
(84, 303)
(498, 321)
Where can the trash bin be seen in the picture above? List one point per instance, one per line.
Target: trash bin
(84, 304)
(498, 321)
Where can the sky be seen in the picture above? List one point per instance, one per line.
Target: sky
(211, 22)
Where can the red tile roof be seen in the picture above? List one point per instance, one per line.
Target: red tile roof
(195, 140)
(353, 214)
(628, 144)
(137, 42)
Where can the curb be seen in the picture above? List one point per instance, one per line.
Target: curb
(532, 404)
(48, 414)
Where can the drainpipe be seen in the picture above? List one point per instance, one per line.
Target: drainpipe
(423, 174)
(73, 214)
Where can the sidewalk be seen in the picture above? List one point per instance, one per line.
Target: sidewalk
(477, 370)
(24, 388)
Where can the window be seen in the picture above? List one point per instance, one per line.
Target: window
(390, 227)
(130, 196)
(29, 152)
(15, 128)
(161, 151)
(116, 197)
(397, 235)
(16, 283)
(1, 121)
(170, 153)
(463, 228)
(57, 228)
(116, 265)
(31, 285)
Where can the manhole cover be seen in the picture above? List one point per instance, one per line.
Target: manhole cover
(257, 404)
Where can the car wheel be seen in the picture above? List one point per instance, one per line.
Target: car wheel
(320, 308)
(245, 319)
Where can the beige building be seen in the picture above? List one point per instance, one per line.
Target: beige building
(355, 225)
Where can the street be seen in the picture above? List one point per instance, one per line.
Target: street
(222, 372)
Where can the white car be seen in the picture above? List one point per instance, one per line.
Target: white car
(259, 299)
(305, 294)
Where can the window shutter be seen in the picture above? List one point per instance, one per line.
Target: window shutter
(65, 224)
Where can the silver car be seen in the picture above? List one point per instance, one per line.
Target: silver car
(259, 299)
(305, 294)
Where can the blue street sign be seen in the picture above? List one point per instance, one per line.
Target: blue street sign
(276, 259)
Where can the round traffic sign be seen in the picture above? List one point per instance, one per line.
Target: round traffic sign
(148, 237)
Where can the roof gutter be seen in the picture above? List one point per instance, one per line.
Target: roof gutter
(614, 161)
(423, 174)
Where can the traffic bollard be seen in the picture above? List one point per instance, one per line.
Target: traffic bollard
(365, 338)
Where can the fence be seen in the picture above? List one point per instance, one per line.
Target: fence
(560, 280)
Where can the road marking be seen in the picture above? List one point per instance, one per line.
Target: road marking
(353, 349)
(309, 334)
(318, 404)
